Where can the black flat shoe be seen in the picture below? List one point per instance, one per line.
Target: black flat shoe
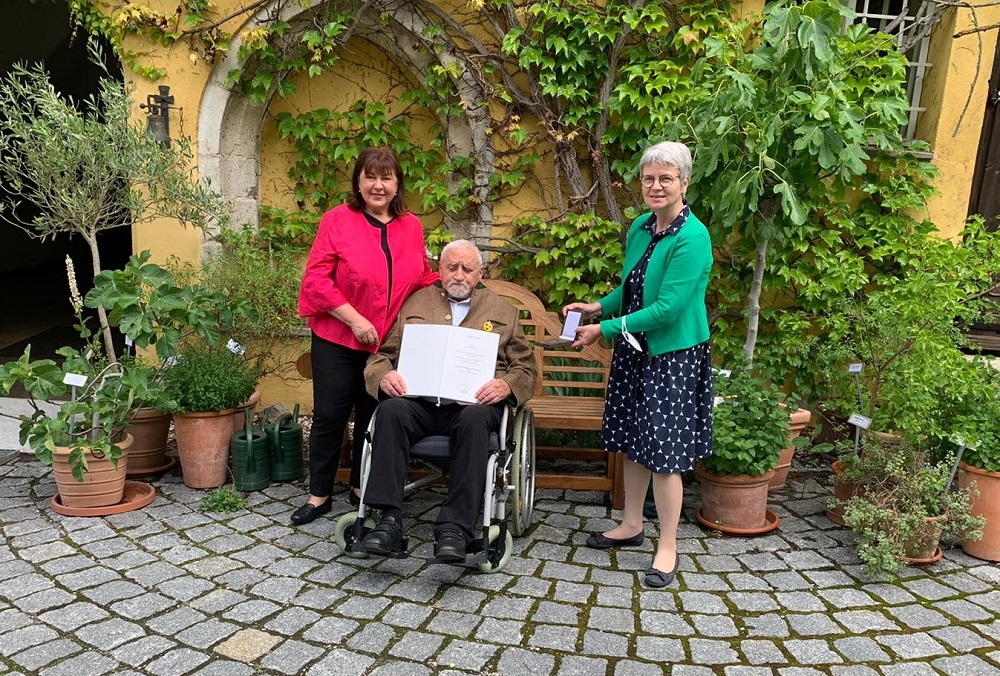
(353, 498)
(308, 512)
(601, 541)
(386, 538)
(657, 579)
(450, 545)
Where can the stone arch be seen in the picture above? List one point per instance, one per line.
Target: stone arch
(229, 124)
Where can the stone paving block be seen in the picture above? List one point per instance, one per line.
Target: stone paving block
(988, 600)
(960, 638)
(137, 653)
(531, 587)
(691, 670)
(665, 624)
(908, 669)
(521, 661)
(278, 589)
(912, 646)
(247, 645)
(706, 582)
(963, 581)
(770, 625)
(802, 602)
(185, 588)
(154, 573)
(612, 578)
(604, 643)
(24, 585)
(292, 621)
(72, 617)
(747, 582)
(830, 578)
(616, 620)
(417, 646)
(115, 590)
(129, 560)
(917, 616)
(44, 600)
(225, 668)
(218, 600)
(212, 566)
(260, 556)
(753, 602)
(813, 624)
(453, 623)
(564, 571)
(179, 661)
(507, 607)
(555, 637)
(251, 612)
(407, 615)
(14, 568)
(707, 651)
(762, 652)
(577, 665)
(847, 598)
(863, 621)
(852, 670)
(701, 602)
(466, 655)
(362, 608)
(964, 665)
(401, 669)
(714, 626)
(787, 581)
(60, 567)
(812, 651)
(889, 593)
(557, 613)
(207, 633)
(89, 663)
(175, 621)
(372, 638)
(141, 607)
(33, 659)
(88, 577)
(110, 633)
(860, 649)
(242, 579)
(659, 649)
(24, 638)
(182, 554)
(30, 542)
(106, 549)
(929, 589)
(291, 657)
(493, 630)
(293, 567)
(963, 610)
(92, 533)
(330, 630)
(569, 592)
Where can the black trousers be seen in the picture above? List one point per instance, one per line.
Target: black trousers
(338, 387)
(401, 423)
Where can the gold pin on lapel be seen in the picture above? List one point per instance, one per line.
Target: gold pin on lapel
(488, 326)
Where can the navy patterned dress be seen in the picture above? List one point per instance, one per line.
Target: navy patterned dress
(659, 408)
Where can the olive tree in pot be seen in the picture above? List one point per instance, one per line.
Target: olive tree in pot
(207, 382)
(749, 429)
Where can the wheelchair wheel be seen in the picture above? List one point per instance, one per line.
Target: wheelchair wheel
(345, 533)
(499, 551)
(523, 471)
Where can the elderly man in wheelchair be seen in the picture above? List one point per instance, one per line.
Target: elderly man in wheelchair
(401, 421)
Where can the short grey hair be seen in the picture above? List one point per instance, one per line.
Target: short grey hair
(668, 152)
(461, 244)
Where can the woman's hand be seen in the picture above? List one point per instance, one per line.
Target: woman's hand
(588, 310)
(585, 335)
(364, 331)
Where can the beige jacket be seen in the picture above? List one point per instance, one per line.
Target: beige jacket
(515, 357)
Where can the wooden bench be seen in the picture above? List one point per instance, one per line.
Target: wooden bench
(569, 395)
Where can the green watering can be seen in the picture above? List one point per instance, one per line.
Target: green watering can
(250, 457)
(284, 438)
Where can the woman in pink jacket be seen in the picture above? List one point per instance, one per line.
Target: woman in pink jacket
(368, 257)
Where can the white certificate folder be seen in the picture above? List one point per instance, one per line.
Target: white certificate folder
(446, 362)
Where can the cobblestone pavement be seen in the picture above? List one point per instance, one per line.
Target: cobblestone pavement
(171, 590)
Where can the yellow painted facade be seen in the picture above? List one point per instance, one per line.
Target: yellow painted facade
(954, 95)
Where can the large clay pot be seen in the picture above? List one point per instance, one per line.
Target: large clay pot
(988, 505)
(238, 416)
(736, 505)
(103, 484)
(798, 419)
(203, 446)
(150, 428)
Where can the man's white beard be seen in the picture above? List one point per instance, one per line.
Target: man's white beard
(459, 290)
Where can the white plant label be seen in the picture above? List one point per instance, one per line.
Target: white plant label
(961, 443)
(859, 420)
(128, 342)
(855, 368)
(75, 380)
(235, 347)
(171, 361)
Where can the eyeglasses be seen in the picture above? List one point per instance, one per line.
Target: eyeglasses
(665, 180)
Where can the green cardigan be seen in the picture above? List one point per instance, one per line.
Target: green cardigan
(673, 314)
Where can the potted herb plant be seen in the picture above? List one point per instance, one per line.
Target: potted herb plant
(903, 506)
(207, 382)
(749, 429)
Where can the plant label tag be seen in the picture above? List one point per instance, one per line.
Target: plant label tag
(75, 380)
(855, 368)
(235, 347)
(859, 420)
(128, 342)
(725, 373)
(962, 443)
(171, 361)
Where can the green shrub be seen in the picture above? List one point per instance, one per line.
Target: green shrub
(209, 379)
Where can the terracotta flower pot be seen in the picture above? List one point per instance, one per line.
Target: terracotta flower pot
(203, 446)
(103, 484)
(798, 420)
(988, 505)
(842, 492)
(734, 503)
(150, 428)
(923, 548)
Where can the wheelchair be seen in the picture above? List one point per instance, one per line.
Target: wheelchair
(510, 471)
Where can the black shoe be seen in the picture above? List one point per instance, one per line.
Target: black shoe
(602, 541)
(386, 538)
(657, 579)
(353, 498)
(308, 512)
(450, 545)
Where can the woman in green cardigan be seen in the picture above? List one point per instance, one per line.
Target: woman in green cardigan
(659, 403)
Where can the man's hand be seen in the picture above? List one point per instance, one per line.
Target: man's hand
(493, 392)
(585, 335)
(392, 384)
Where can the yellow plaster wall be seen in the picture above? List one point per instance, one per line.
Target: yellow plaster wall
(954, 95)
